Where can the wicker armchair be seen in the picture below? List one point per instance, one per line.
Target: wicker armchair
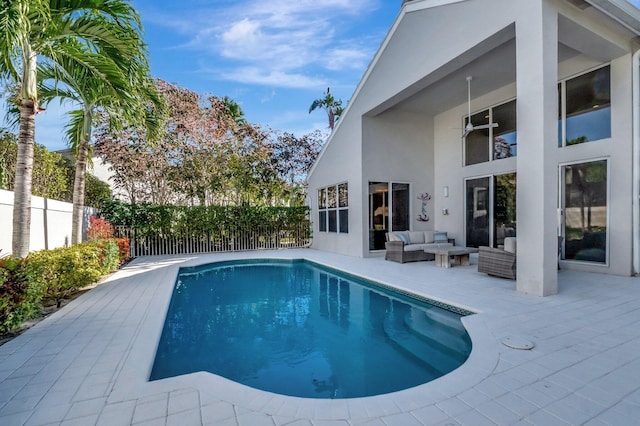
(396, 253)
(497, 262)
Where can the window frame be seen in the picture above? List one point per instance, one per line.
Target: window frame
(331, 211)
(488, 112)
(562, 106)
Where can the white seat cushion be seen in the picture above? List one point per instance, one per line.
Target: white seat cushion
(416, 237)
(510, 244)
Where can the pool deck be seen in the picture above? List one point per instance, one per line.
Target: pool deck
(88, 363)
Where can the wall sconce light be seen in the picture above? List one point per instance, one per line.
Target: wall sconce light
(445, 191)
(445, 212)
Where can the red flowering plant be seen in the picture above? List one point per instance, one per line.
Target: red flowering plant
(99, 229)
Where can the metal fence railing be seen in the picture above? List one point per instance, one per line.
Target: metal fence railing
(256, 238)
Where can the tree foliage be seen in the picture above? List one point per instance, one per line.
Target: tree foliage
(82, 33)
(53, 174)
(208, 155)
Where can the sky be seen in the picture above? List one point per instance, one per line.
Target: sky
(272, 57)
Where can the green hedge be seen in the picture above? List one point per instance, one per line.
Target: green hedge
(50, 274)
(148, 220)
(19, 296)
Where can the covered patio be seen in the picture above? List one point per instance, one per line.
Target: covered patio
(535, 69)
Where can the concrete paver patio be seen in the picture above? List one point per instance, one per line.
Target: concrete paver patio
(88, 364)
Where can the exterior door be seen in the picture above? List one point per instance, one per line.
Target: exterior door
(389, 210)
(477, 211)
(585, 205)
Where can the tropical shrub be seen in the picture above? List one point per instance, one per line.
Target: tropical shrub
(124, 250)
(99, 229)
(19, 298)
(62, 271)
(109, 255)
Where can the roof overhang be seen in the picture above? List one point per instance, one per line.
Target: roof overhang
(445, 87)
(620, 10)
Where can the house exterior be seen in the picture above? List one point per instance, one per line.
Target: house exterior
(560, 80)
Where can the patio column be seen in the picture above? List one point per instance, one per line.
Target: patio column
(537, 115)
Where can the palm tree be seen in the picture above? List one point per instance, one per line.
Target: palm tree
(52, 30)
(233, 110)
(332, 106)
(123, 99)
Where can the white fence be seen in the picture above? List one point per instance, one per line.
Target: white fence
(260, 238)
(50, 222)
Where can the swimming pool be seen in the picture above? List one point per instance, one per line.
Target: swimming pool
(300, 329)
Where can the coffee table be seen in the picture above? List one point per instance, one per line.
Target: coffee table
(460, 255)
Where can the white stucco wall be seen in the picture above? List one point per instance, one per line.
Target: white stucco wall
(50, 223)
(341, 162)
(398, 147)
(617, 150)
(404, 145)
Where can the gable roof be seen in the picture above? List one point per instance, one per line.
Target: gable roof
(621, 11)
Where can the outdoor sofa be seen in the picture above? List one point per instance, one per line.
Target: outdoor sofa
(408, 246)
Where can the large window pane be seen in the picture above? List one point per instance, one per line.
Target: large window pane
(343, 215)
(322, 198)
(588, 107)
(322, 221)
(331, 197)
(400, 202)
(476, 144)
(504, 136)
(343, 195)
(560, 103)
(477, 201)
(378, 214)
(504, 208)
(333, 221)
(585, 205)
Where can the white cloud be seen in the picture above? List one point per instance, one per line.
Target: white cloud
(347, 58)
(281, 43)
(276, 78)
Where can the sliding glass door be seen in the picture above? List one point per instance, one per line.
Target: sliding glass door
(504, 208)
(490, 210)
(584, 202)
(389, 210)
(477, 200)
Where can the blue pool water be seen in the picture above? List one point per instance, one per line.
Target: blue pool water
(299, 329)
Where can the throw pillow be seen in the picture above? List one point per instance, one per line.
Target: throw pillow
(403, 237)
(428, 237)
(440, 237)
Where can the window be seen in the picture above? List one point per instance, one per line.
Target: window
(389, 210)
(490, 209)
(333, 208)
(585, 108)
(322, 210)
(584, 201)
(343, 211)
(504, 136)
(477, 146)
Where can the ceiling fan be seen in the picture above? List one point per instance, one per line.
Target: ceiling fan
(470, 127)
